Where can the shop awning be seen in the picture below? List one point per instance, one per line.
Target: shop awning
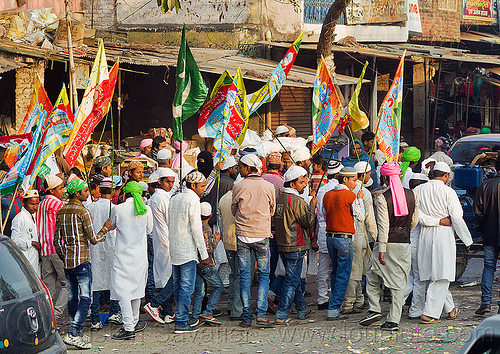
(8, 65)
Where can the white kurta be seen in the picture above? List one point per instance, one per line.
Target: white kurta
(162, 266)
(130, 261)
(24, 231)
(101, 254)
(437, 248)
(406, 179)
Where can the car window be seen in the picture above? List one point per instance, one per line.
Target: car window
(464, 152)
(16, 279)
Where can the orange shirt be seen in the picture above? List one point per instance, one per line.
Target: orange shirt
(338, 212)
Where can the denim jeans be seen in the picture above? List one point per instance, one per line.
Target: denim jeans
(261, 250)
(234, 298)
(95, 316)
(210, 275)
(291, 290)
(150, 284)
(340, 250)
(79, 283)
(273, 249)
(490, 265)
(184, 278)
(165, 299)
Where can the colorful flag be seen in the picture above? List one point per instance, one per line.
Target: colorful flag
(39, 108)
(278, 77)
(190, 92)
(389, 116)
(358, 117)
(95, 104)
(14, 145)
(326, 107)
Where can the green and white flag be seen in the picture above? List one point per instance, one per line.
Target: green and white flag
(191, 90)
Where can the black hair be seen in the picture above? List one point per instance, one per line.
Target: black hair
(71, 196)
(76, 171)
(203, 218)
(436, 174)
(415, 182)
(319, 160)
(252, 168)
(154, 185)
(341, 178)
(105, 190)
(367, 136)
(273, 166)
(157, 140)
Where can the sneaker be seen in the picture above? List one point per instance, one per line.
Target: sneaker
(390, 326)
(483, 310)
(116, 319)
(140, 326)
(370, 318)
(154, 312)
(193, 322)
(187, 329)
(123, 334)
(68, 339)
(168, 319)
(96, 326)
(81, 343)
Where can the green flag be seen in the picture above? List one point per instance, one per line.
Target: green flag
(190, 90)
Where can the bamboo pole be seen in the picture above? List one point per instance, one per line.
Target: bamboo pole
(10, 207)
(72, 79)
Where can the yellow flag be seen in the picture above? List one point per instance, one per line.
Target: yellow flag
(358, 117)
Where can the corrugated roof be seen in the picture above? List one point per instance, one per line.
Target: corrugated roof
(7, 65)
(208, 60)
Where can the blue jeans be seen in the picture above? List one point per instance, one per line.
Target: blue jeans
(234, 298)
(211, 276)
(150, 284)
(291, 290)
(261, 250)
(184, 278)
(490, 265)
(79, 283)
(95, 316)
(340, 250)
(165, 299)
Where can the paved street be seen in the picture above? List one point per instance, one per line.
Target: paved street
(315, 335)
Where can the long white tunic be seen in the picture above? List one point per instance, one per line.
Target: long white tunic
(320, 212)
(130, 261)
(101, 254)
(162, 266)
(23, 232)
(437, 248)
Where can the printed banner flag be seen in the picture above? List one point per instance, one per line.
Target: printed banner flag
(278, 77)
(39, 108)
(326, 107)
(14, 145)
(95, 104)
(190, 92)
(389, 116)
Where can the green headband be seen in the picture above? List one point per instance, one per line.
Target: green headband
(135, 189)
(76, 185)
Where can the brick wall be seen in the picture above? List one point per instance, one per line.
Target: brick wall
(25, 80)
(99, 14)
(440, 20)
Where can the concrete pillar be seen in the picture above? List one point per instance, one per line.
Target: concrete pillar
(419, 104)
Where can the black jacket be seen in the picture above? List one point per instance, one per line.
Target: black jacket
(226, 184)
(487, 211)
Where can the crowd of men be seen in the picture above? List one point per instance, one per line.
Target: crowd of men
(377, 229)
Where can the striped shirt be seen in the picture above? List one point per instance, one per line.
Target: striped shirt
(74, 230)
(46, 223)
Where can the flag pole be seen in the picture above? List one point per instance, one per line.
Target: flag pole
(218, 178)
(112, 160)
(352, 137)
(275, 137)
(10, 207)
(328, 162)
(180, 163)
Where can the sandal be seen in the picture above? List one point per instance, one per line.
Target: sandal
(265, 324)
(284, 323)
(428, 320)
(453, 313)
(210, 320)
(306, 316)
(245, 324)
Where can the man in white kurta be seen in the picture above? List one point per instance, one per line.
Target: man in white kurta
(437, 248)
(133, 221)
(334, 168)
(24, 232)
(101, 257)
(160, 306)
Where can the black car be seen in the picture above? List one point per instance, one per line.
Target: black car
(27, 321)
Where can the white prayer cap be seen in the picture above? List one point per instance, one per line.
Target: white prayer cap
(369, 183)
(230, 162)
(334, 167)
(281, 129)
(348, 172)
(442, 166)
(31, 193)
(144, 185)
(310, 138)
(165, 172)
(294, 172)
(53, 181)
(300, 153)
(186, 170)
(153, 177)
(206, 209)
(252, 161)
(195, 177)
(361, 167)
(72, 177)
(419, 177)
(164, 154)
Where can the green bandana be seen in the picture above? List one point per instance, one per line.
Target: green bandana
(135, 189)
(411, 154)
(76, 185)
